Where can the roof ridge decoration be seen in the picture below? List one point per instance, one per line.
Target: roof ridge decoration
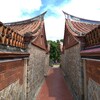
(41, 16)
(78, 19)
(70, 24)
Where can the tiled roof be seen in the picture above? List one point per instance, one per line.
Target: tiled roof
(9, 37)
(80, 26)
(83, 30)
(32, 30)
(25, 26)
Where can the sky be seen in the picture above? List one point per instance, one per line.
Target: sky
(16, 10)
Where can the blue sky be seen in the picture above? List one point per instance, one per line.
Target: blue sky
(15, 10)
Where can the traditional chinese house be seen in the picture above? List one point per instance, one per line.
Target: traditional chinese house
(80, 59)
(25, 55)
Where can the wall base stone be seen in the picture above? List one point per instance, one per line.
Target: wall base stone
(93, 90)
(13, 92)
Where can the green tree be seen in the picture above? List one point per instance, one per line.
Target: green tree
(54, 51)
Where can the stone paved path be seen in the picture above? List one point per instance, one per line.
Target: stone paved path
(54, 87)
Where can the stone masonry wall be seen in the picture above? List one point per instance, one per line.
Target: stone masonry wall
(46, 68)
(73, 69)
(11, 80)
(35, 69)
(14, 91)
(63, 62)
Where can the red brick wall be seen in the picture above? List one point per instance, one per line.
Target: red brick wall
(10, 72)
(93, 70)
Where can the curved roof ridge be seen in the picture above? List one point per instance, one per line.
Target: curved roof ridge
(75, 18)
(27, 20)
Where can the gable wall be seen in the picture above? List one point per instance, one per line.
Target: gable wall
(35, 69)
(73, 69)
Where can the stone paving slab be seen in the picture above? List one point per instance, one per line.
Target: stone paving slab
(54, 87)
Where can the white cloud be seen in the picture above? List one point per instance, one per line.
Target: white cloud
(84, 8)
(89, 9)
(11, 10)
(30, 5)
(54, 27)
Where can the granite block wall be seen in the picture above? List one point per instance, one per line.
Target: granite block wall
(35, 71)
(46, 68)
(73, 69)
(62, 62)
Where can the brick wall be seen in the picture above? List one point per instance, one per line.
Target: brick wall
(93, 70)
(11, 79)
(92, 79)
(21, 77)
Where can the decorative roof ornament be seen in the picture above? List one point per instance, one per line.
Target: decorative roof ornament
(80, 26)
(74, 18)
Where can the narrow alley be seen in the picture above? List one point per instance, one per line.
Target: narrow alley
(29, 60)
(54, 87)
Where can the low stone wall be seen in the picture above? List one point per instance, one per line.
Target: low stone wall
(11, 79)
(73, 69)
(36, 70)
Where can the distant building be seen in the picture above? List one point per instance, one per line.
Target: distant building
(80, 59)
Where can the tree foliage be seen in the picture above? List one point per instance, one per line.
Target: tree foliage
(54, 51)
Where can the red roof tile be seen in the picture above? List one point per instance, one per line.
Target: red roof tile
(33, 27)
(83, 30)
(25, 26)
(80, 26)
